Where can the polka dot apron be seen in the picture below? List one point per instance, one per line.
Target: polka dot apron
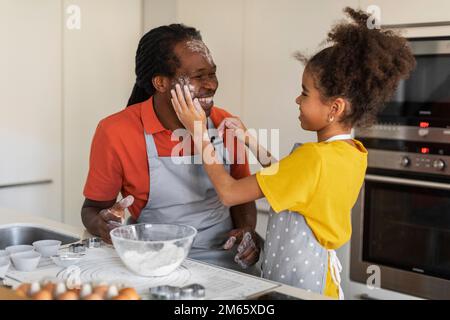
(292, 254)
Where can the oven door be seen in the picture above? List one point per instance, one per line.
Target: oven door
(403, 226)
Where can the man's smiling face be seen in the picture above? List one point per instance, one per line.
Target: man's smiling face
(198, 71)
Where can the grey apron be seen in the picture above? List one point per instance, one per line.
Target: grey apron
(181, 193)
(292, 254)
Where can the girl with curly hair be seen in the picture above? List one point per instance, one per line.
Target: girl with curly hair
(312, 191)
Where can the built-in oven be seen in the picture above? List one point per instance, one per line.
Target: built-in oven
(403, 226)
(401, 220)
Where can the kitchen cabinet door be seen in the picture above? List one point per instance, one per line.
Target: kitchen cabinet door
(30, 102)
(37, 200)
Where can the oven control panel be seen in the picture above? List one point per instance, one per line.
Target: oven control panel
(423, 162)
(412, 162)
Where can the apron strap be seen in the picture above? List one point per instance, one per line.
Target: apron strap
(152, 152)
(210, 123)
(335, 270)
(218, 143)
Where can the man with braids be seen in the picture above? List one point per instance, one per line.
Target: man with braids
(313, 190)
(133, 152)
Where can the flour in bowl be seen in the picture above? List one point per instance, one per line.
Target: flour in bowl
(155, 263)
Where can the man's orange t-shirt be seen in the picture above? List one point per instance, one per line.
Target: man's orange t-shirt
(118, 160)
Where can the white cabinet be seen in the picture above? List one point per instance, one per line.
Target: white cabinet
(56, 84)
(41, 200)
(30, 102)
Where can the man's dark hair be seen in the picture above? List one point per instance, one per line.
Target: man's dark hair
(362, 65)
(155, 56)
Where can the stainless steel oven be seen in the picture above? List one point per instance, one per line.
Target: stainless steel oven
(402, 217)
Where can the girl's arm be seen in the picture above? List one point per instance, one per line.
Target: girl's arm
(264, 157)
(231, 191)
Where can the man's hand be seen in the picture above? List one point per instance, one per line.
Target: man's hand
(111, 218)
(248, 249)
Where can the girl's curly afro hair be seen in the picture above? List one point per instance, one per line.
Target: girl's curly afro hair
(363, 65)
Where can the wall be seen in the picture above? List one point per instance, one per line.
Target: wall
(272, 77)
(407, 12)
(226, 46)
(259, 77)
(158, 12)
(98, 75)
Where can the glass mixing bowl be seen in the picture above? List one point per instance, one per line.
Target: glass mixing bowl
(153, 250)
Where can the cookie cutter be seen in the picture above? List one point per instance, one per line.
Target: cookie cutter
(81, 247)
(77, 248)
(94, 242)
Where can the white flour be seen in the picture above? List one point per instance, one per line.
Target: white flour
(186, 81)
(155, 263)
(200, 47)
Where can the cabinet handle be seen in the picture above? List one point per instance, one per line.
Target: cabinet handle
(25, 184)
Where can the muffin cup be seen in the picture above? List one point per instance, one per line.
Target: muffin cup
(26, 261)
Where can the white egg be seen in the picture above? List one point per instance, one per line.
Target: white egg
(112, 292)
(86, 290)
(60, 289)
(35, 288)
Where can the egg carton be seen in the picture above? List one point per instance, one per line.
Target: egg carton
(58, 290)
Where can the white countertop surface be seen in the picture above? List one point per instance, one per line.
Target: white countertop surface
(11, 217)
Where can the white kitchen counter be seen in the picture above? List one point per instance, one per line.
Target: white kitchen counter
(8, 216)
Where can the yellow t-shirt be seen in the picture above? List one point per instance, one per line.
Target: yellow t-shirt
(321, 181)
